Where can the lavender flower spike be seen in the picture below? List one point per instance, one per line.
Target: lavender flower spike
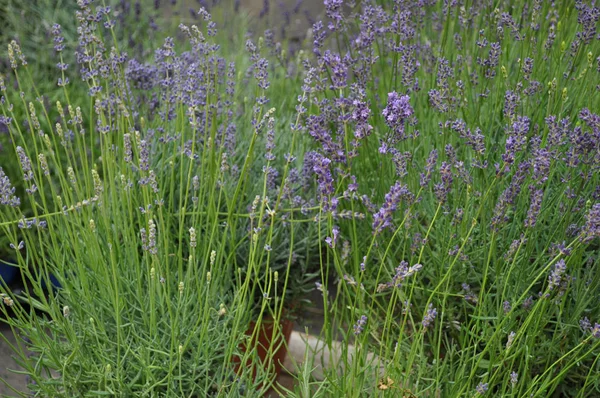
(556, 275)
(429, 316)
(482, 388)
(591, 229)
(383, 218)
(397, 111)
(7, 191)
(360, 325)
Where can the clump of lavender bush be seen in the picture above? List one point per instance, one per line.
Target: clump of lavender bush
(460, 141)
(151, 208)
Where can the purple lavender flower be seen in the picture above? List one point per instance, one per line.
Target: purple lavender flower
(514, 378)
(475, 139)
(144, 148)
(319, 35)
(587, 17)
(396, 113)
(319, 165)
(527, 68)
(58, 39)
(511, 101)
(591, 228)
(383, 218)
(261, 73)
(430, 165)
(127, 147)
(429, 316)
(516, 140)
(585, 324)
(7, 191)
(482, 388)
(338, 69)
(360, 325)
(556, 275)
(332, 240)
(25, 164)
(508, 196)
(596, 331)
(333, 10)
(534, 207)
(438, 101)
(506, 306)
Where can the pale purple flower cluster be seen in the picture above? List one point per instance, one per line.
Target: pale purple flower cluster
(442, 189)
(383, 218)
(555, 277)
(591, 228)
(429, 317)
(534, 207)
(396, 114)
(7, 191)
(360, 325)
(482, 388)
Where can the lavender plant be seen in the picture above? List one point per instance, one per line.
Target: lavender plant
(459, 141)
(134, 199)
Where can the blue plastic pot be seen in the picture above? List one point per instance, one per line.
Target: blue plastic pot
(8, 273)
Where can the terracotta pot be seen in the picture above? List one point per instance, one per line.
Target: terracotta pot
(263, 343)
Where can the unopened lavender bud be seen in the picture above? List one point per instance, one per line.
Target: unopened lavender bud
(180, 287)
(192, 237)
(98, 188)
(47, 141)
(60, 109)
(92, 226)
(213, 256)
(208, 277)
(71, 175)
(44, 164)
(66, 311)
(276, 276)
(222, 310)
(7, 301)
(71, 112)
(511, 339)
(180, 349)
(152, 273)
(11, 56)
(59, 130)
